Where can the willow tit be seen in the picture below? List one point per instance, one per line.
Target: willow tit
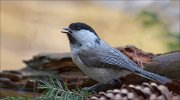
(100, 61)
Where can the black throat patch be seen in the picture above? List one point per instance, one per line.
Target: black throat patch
(73, 41)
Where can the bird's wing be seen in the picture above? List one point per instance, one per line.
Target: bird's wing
(106, 59)
(117, 60)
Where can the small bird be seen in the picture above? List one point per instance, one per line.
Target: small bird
(100, 61)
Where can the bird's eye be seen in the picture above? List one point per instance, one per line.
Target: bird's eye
(78, 28)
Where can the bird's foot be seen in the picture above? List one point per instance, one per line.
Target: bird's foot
(95, 88)
(102, 87)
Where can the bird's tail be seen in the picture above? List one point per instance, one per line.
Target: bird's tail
(152, 76)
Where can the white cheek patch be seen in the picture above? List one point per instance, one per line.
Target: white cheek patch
(85, 36)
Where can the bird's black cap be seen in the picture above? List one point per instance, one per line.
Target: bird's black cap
(80, 26)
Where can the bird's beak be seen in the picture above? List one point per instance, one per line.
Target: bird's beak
(66, 30)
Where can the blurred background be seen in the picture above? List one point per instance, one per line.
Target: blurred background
(32, 27)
